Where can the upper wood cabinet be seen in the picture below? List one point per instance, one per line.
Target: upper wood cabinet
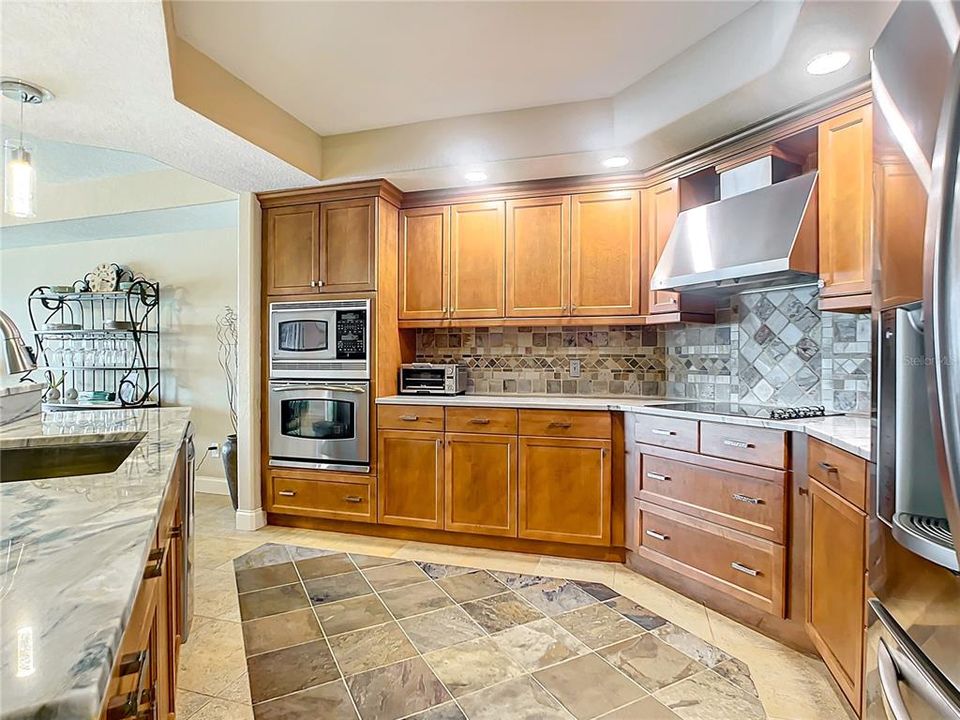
(348, 241)
(605, 253)
(836, 568)
(564, 488)
(410, 478)
(292, 249)
(846, 253)
(661, 205)
(424, 262)
(476, 260)
(538, 257)
(481, 484)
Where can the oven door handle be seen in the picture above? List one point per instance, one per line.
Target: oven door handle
(317, 386)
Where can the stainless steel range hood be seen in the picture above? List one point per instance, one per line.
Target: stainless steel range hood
(761, 233)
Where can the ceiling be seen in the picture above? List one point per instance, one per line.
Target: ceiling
(346, 66)
(419, 92)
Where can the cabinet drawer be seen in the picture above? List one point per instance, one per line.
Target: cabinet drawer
(410, 417)
(554, 423)
(737, 501)
(337, 497)
(748, 568)
(667, 432)
(500, 421)
(760, 446)
(838, 470)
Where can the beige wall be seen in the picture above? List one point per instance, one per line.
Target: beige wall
(198, 275)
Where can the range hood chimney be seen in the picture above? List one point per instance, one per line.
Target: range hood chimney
(761, 233)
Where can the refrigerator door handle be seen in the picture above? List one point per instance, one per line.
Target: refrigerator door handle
(890, 683)
(941, 299)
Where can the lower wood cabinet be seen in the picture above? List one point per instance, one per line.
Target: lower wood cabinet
(334, 496)
(565, 487)
(835, 586)
(410, 478)
(480, 484)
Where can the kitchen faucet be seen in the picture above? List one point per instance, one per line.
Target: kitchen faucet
(17, 357)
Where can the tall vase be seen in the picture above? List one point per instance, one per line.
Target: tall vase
(228, 453)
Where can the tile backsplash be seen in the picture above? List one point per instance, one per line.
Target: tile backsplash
(614, 360)
(769, 348)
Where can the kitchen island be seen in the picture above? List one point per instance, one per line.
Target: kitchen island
(73, 552)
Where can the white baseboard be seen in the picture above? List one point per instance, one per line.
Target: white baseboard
(211, 484)
(251, 519)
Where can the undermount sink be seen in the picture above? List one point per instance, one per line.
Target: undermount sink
(55, 461)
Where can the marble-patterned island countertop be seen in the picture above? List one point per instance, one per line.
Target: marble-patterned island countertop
(847, 432)
(72, 553)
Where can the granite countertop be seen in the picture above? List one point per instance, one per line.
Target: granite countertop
(72, 552)
(848, 432)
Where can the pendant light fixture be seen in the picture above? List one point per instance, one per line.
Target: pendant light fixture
(19, 171)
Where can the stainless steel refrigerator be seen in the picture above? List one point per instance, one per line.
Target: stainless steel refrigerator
(912, 662)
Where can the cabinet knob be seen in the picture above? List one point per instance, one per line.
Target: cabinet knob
(319, 283)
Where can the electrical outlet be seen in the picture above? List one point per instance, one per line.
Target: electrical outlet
(575, 368)
(214, 450)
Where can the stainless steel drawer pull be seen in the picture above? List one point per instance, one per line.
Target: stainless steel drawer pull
(658, 476)
(353, 499)
(747, 499)
(409, 418)
(156, 569)
(658, 431)
(656, 535)
(738, 444)
(287, 493)
(131, 664)
(827, 467)
(559, 424)
(480, 421)
(176, 531)
(739, 567)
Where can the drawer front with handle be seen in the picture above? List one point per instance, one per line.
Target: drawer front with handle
(746, 567)
(337, 499)
(760, 446)
(667, 432)
(840, 471)
(555, 423)
(410, 417)
(499, 421)
(737, 501)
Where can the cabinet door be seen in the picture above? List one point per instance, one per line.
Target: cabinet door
(481, 484)
(835, 577)
(410, 480)
(476, 260)
(538, 257)
(565, 490)
(661, 205)
(292, 249)
(424, 263)
(348, 231)
(845, 161)
(605, 253)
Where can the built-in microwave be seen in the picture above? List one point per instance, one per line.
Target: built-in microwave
(320, 339)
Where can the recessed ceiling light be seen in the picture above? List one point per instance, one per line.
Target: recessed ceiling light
(475, 176)
(828, 62)
(616, 161)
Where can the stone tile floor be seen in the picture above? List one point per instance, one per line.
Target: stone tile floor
(498, 636)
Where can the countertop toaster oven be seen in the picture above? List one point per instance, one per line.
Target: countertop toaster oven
(433, 379)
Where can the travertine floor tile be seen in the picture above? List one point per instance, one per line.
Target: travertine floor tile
(587, 686)
(519, 699)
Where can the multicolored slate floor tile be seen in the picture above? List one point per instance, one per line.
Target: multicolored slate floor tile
(335, 635)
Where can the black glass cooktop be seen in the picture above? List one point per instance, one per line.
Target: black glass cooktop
(756, 411)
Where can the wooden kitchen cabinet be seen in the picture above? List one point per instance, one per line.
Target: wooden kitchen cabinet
(835, 586)
(660, 207)
(538, 257)
(292, 259)
(348, 241)
(410, 479)
(477, 260)
(481, 484)
(605, 253)
(845, 152)
(424, 263)
(564, 488)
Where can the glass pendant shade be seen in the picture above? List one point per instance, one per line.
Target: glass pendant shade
(19, 180)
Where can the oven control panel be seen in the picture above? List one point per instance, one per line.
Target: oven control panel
(351, 334)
